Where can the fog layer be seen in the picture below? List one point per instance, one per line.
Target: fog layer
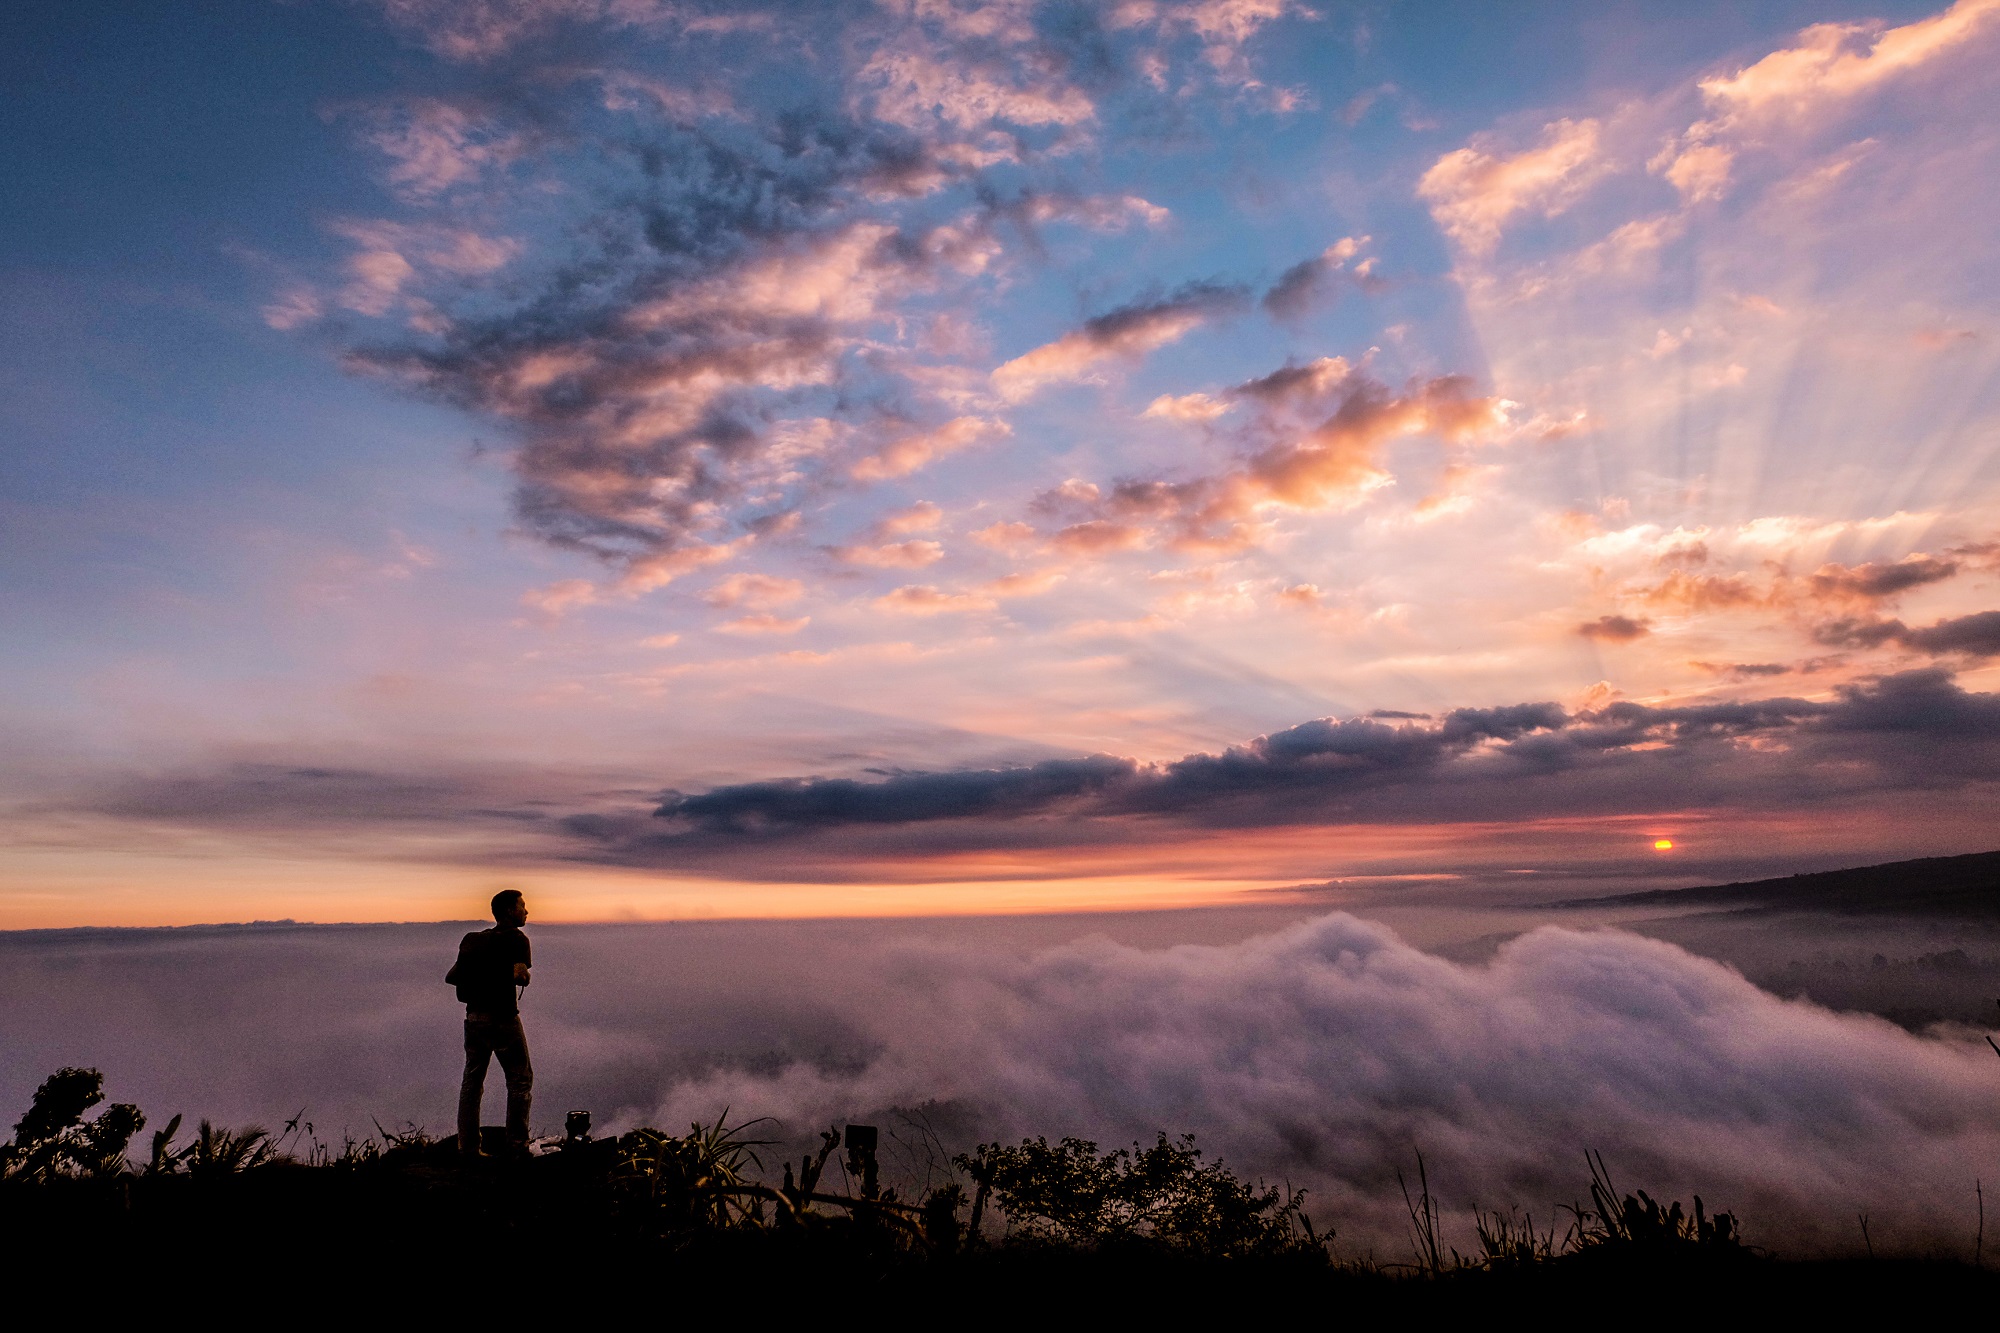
(1325, 1053)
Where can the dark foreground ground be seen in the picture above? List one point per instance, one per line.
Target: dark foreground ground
(413, 1234)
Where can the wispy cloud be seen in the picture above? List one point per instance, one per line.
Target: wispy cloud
(1122, 334)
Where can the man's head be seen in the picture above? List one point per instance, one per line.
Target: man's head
(510, 908)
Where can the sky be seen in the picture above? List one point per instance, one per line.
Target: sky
(922, 458)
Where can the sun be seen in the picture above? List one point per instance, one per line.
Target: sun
(1663, 844)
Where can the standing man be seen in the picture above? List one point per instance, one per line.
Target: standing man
(491, 964)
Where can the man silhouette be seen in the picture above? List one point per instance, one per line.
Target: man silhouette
(491, 963)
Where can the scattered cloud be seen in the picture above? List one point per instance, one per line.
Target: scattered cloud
(908, 453)
(561, 596)
(1006, 536)
(765, 622)
(758, 592)
(1126, 333)
(435, 146)
(1187, 407)
(1474, 191)
(1615, 629)
(1032, 583)
(478, 30)
(1682, 590)
(1878, 582)
(923, 599)
(1312, 283)
(920, 517)
(914, 554)
(1839, 60)
(1314, 443)
(1976, 635)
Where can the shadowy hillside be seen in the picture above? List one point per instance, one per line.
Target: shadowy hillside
(1965, 887)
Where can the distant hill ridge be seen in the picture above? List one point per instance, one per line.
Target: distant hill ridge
(1956, 886)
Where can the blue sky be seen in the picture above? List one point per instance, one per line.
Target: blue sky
(446, 438)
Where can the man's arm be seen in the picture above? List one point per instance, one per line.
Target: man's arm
(523, 963)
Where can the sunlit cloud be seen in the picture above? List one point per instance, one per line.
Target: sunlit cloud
(890, 555)
(908, 453)
(764, 622)
(923, 599)
(1475, 191)
(759, 592)
(1122, 334)
(1838, 60)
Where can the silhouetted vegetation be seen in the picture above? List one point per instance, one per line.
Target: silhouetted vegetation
(1151, 1227)
(1163, 1195)
(54, 1140)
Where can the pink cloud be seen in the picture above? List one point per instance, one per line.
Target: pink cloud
(764, 622)
(392, 257)
(1126, 333)
(1838, 60)
(474, 30)
(562, 596)
(1831, 64)
(1704, 592)
(927, 600)
(1699, 170)
(917, 88)
(1474, 191)
(434, 146)
(1187, 407)
(293, 307)
(891, 555)
(1006, 536)
(659, 568)
(908, 453)
(1100, 212)
(1320, 429)
(758, 592)
(1029, 584)
(1222, 29)
(1099, 536)
(920, 517)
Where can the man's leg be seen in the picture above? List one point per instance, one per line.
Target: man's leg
(478, 1052)
(510, 1043)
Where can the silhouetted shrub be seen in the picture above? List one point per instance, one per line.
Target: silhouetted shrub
(1070, 1193)
(53, 1139)
(687, 1180)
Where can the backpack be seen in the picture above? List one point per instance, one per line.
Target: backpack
(477, 974)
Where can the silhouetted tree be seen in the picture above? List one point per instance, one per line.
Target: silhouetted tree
(53, 1139)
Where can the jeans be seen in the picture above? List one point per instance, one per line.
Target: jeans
(485, 1038)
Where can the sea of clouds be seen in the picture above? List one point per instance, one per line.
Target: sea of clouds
(1324, 1053)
